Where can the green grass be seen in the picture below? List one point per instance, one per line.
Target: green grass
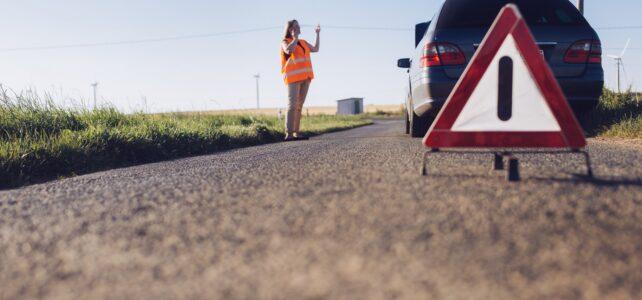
(618, 115)
(40, 141)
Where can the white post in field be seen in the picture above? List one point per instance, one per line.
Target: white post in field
(257, 76)
(95, 86)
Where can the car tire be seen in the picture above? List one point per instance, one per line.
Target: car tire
(407, 121)
(584, 115)
(419, 125)
(586, 121)
(584, 108)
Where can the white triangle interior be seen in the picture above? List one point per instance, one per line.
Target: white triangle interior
(530, 110)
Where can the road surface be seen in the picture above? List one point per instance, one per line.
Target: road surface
(342, 216)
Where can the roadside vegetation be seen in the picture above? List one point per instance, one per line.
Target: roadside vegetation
(384, 114)
(41, 141)
(618, 115)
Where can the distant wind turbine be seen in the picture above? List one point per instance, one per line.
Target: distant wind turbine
(216, 102)
(620, 63)
(258, 77)
(95, 87)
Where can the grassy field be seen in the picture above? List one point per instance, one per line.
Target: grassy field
(40, 141)
(618, 115)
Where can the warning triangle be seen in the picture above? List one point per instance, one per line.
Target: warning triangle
(507, 97)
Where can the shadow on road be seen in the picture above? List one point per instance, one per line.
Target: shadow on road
(582, 178)
(576, 179)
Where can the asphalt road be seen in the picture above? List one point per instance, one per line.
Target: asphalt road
(342, 216)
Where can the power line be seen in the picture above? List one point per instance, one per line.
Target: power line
(618, 27)
(185, 37)
(363, 28)
(410, 29)
(228, 33)
(139, 41)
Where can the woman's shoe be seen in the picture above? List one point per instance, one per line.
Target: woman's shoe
(289, 139)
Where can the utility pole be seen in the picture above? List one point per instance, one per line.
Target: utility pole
(257, 76)
(95, 87)
(619, 65)
(580, 6)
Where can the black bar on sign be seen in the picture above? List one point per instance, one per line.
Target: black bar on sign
(505, 95)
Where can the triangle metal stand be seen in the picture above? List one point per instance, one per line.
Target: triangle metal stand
(512, 173)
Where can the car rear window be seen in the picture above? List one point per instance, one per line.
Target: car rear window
(482, 13)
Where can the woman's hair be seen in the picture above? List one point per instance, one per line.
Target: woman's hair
(288, 27)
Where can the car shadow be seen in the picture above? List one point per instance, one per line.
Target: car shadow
(583, 178)
(575, 179)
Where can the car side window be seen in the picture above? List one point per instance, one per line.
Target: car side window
(563, 16)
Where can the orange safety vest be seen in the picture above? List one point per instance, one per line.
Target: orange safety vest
(298, 66)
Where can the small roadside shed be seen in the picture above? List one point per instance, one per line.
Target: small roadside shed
(350, 106)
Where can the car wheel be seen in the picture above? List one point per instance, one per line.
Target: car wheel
(586, 121)
(418, 125)
(407, 119)
(584, 115)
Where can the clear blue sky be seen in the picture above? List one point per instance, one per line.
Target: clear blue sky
(215, 73)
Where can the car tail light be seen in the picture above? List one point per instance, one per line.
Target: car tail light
(585, 51)
(442, 54)
(596, 53)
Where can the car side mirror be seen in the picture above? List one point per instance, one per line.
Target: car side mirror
(404, 63)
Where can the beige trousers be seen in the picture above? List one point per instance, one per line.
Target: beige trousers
(297, 92)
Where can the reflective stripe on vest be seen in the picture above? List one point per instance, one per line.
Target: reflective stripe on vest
(296, 61)
(299, 71)
(298, 66)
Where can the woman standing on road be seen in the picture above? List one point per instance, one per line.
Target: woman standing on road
(296, 66)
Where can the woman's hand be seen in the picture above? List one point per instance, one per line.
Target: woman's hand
(317, 44)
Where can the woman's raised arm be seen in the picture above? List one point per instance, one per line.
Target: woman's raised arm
(317, 44)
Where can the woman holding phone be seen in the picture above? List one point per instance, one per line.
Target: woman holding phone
(296, 67)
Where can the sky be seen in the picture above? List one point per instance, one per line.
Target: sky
(217, 72)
